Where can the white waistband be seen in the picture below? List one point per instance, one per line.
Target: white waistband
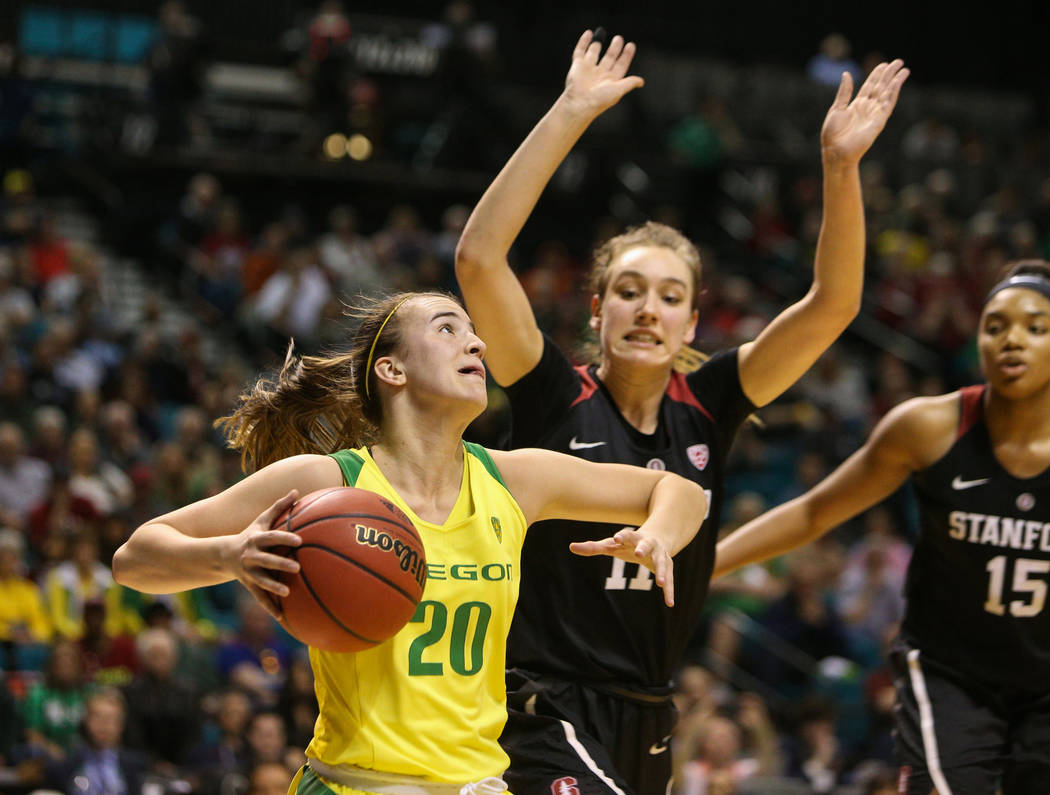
(394, 784)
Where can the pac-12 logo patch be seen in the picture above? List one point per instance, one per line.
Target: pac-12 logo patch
(565, 786)
(497, 528)
(902, 779)
(699, 455)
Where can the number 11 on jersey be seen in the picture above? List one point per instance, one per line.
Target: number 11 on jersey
(643, 578)
(617, 580)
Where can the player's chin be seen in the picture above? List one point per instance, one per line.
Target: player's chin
(1020, 387)
(652, 356)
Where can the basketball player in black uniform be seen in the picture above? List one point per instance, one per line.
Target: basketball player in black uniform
(589, 688)
(972, 665)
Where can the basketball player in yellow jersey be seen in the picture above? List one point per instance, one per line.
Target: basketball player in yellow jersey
(451, 654)
(422, 712)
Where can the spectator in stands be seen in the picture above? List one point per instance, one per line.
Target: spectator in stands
(200, 445)
(17, 307)
(870, 600)
(176, 64)
(833, 58)
(268, 742)
(101, 763)
(469, 125)
(10, 726)
(16, 407)
(108, 659)
(266, 258)
(99, 487)
(745, 595)
(805, 618)
(257, 658)
(163, 709)
(54, 707)
(401, 242)
(49, 251)
(50, 444)
(837, 385)
(326, 66)
(72, 583)
(931, 139)
(219, 262)
(349, 257)
(718, 752)
(813, 752)
(24, 625)
(297, 703)
(120, 441)
(211, 762)
(180, 235)
(24, 481)
(291, 301)
(269, 778)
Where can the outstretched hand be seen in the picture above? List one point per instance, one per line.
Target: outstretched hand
(249, 561)
(850, 128)
(635, 547)
(593, 85)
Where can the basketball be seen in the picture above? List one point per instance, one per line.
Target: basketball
(362, 569)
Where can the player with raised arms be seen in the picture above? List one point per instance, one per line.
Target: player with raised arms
(972, 662)
(422, 712)
(589, 690)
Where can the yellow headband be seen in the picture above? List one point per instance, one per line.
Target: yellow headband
(372, 350)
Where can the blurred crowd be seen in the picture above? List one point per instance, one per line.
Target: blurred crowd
(106, 410)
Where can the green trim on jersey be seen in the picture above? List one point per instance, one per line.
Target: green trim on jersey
(310, 783)
(350, 463)
(483, 456)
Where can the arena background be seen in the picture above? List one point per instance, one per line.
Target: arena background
(171, 180)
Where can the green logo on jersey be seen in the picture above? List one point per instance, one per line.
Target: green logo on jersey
(497, 528)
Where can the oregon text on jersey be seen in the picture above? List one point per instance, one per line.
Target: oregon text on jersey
(488, 572)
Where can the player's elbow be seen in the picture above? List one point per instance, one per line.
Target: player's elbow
(127, 566)
(837, 311)
(471, 255)
(122, 565)
(690, 497)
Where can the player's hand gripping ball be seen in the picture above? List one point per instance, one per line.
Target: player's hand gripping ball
(362, 569)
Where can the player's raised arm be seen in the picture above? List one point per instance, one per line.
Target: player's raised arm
(495, 299)
(797, 337)
(226, 536)
(907, 439)
(667, 509)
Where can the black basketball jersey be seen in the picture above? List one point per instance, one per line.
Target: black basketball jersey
(977, 582)
(600, 619)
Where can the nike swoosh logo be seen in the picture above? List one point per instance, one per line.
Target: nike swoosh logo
(574, 445)
(959, 484)
(659, 747)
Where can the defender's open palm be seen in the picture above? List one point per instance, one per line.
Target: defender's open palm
(594, 84)
(851, 127)
(635, 547)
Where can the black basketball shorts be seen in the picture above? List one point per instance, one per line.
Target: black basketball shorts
(962, 736)
(565, 738)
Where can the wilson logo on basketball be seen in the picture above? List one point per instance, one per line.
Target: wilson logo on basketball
(406, 555)
(565, 786)
(699, 454)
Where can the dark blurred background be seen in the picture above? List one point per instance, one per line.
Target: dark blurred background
(187, 185)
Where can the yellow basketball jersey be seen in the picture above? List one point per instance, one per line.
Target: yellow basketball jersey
(431, 701)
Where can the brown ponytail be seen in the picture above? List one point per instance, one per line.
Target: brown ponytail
(317, 404)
